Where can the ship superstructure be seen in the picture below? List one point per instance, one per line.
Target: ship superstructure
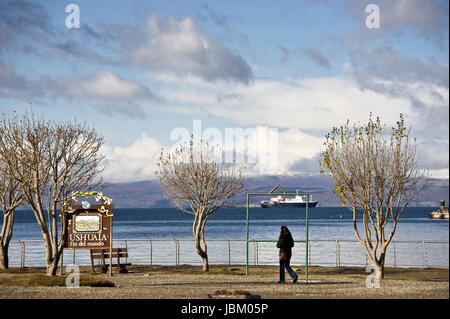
(440, 213)
(284, 201)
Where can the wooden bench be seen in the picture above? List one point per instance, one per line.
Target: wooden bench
(103, 255)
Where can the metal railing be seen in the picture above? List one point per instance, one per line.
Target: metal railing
(160, 251)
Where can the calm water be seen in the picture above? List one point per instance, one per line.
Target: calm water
(324, 223)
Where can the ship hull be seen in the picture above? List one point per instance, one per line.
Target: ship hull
(287, 205)
(435, 215)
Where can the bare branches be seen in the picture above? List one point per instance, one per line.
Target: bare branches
(49, 161)
(192, 180)
(374, 173)
(10, 197)
(197, 183)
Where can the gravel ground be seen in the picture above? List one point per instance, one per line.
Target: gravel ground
(190, 283)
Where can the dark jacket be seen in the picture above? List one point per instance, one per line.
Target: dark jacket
(285, 243)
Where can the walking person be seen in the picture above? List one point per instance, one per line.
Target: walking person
(285, 244)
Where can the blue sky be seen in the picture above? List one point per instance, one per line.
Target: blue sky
(137, 70)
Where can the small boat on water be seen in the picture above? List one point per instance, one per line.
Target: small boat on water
(288, 202)
(440, 213)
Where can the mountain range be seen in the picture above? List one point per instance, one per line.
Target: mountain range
(149, 194)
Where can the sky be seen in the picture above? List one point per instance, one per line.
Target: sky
(143, 72)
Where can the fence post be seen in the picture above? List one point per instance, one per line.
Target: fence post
(229, 253)
(254, 253)
(257, 254)
(22, 254)
(151, 253)
(338, 254)
(309, 254)
(126, 246)
(177, 251)
(178, 244)
(424, 253)
(395, 255)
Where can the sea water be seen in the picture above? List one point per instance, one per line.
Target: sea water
(330, 223)
(150, 237)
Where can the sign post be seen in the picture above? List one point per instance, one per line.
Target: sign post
(88, 226)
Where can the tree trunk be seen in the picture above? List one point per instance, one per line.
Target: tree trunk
(202, 252)
(201, 247)
(205, 264)
(48, 252)
(52, 267)
(51, 255)
(381, 263)
(198, 229)
(380, 270)
(5, 237)
(205, 248)
(4, 259)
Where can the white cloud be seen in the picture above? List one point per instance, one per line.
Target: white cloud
(308, 108)
(265, 150)
(296, 145)
(271, 155)
(306, 104)
(433, 156)
(294, 151)
(107, 85)
(135, 162)
(439, 173)
(426, 18)
(179, 46)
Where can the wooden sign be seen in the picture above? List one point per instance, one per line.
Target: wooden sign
(88, 227)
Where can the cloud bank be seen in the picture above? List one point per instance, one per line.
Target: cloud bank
(181, 47)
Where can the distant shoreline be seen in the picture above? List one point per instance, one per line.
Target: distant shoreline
(238, 206)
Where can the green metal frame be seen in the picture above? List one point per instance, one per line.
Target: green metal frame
(283, 192)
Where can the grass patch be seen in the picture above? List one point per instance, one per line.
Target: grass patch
(95, 282)
(42, 280)
(227, 271)
(94, 273)
(416, 274)
(188, 269)
(18, 270)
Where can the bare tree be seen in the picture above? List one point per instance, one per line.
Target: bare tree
(10, 198)
(374, 176)
(198, 183)
(49, 161)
